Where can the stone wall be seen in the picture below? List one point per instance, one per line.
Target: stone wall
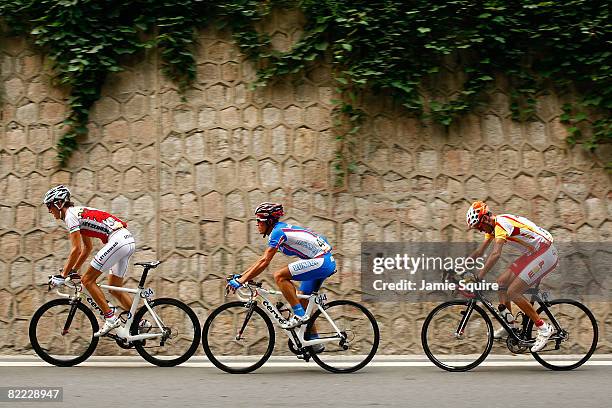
(187, 173)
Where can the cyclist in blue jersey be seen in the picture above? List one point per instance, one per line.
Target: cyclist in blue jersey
(316, 262)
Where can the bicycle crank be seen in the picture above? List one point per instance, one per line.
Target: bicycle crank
(121, 342)
(515, 347)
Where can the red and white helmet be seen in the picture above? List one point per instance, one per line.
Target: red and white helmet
(474, 215)
(269, 212)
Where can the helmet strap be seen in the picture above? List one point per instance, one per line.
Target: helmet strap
(60, 208)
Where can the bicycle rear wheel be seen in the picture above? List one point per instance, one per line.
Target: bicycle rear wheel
(453, 352)
(61, 333)
(180, 332)
(356, 344)
(238, 337)
(574, 344)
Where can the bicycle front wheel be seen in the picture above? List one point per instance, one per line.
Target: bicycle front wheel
(178, 327)
(573, 342)
(455, 341)
(353, 341)
(238, 337)
(61, 332)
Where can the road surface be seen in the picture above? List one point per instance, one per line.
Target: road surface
(388, 382)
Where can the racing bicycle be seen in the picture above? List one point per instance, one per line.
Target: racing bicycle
(239, 336)
(458, 335)
(165, 331)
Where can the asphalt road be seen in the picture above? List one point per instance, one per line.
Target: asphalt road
(399, 384)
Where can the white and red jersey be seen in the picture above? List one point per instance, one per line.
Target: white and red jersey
(92, 222)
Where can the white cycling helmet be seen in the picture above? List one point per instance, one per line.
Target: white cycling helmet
(59, 193)
(475, 213)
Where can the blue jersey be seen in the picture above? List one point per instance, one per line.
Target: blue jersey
(297, 241)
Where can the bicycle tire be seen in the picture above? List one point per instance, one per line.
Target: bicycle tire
(375, 342)
(40, 351)
(592, 347)
(220, 365)
(430, 354)
(141, 346)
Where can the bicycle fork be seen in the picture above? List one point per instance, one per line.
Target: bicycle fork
(71, 313)
(246, 320)
(466, 316)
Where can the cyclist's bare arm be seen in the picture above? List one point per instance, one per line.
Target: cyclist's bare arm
(481, 249)
(259, 266)
(80, 249)
(493, 257)
(85, 251)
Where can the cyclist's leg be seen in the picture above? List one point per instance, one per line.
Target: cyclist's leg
(539, 264)
(303, 270)
(515, 292)
(89, 281)
(120, 245)
(504, 280)
(282, 277)
(307, 288)
(123, 298)
(117, 274)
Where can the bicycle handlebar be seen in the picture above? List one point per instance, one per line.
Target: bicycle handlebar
(250, 285)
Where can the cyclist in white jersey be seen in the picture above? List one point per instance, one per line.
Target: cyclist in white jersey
(83, 224)
(539, 257)
(316, 261)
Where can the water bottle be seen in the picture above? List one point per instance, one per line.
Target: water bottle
(506, 315)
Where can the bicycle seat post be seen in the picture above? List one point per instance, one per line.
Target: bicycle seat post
(143, 277)
(147, 266)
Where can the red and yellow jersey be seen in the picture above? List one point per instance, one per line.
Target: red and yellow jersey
(92, 222)
(521, 233)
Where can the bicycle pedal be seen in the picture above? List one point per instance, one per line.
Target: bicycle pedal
(305, 357)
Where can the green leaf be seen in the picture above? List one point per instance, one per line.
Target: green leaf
(322, 46)
(579, 117)
(342, 80)
(423, 30)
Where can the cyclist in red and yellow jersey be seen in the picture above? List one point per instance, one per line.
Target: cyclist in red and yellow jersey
(538, 258)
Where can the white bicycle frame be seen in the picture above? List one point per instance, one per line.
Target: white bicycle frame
(315, 300)
(123, 331)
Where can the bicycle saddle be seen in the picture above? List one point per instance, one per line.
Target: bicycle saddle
(152, 264)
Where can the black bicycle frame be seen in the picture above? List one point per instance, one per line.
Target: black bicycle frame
(535, 297)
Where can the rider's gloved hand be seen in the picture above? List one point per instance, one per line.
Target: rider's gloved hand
(234, 284)
(469, 277)
(74, 276)
(57, 280)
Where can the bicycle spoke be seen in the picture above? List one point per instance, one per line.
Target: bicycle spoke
(177, 328)
(353, 335)
(451, 342)
(573, 345)
(56, 345)
(238, 339)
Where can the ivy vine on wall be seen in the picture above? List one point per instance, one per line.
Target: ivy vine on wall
(389, 46)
